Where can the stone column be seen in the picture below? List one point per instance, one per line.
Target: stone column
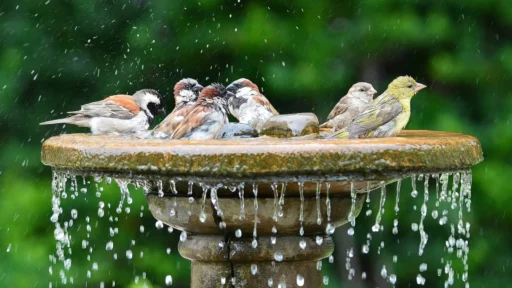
(221, 259)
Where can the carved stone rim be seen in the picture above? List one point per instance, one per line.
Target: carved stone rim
(411, 152)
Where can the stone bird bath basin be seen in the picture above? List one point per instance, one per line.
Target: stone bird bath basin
(295, 192)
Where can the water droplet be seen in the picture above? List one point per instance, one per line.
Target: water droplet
(159, 224)
(254, 269)
(350, 231)
(302, 244)
(270, 282)
(74, 213)
(168, 280)
(254, 243)
(129, 254)
(110, 246)
(423, 267)
(300, 280)
(141, 228)
(183, 236)
(420, 280)
(326, 280)
(384, 272)
(414, 227)
(238, 233)
(319, 240)
(392, 279)
(331, 259)
(278, 256)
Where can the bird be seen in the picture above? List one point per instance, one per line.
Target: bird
(248, 105)
(186, 92)
(359, 96)
(207, 117)
(387, 115)
(122, 114)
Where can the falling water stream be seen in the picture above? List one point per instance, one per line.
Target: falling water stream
(449, 209)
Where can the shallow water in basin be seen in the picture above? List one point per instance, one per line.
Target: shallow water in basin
(438, 199)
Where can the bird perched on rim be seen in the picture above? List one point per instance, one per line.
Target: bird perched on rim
(248, 105)
(359, 96)
(186, 92)
(122, 114)
(207, 118)
(387, 115)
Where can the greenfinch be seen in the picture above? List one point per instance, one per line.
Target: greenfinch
(387, 115)
(359, 96)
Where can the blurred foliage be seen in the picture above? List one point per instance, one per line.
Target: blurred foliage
(56, 55)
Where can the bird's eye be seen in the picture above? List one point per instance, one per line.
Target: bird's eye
(409, 86)
(361, 90)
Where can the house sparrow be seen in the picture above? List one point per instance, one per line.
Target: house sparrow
(248, 105)
(117, 114)
(186, 93)
(387, 115)
(207, 118)
(350, 106)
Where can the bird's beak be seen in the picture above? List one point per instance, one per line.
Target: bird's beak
(197, 88)
(372, 91)
(231, 88)
(419, 86)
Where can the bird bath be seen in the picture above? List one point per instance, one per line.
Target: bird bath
(259, 211)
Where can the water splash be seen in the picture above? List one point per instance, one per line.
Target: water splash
(329, 229)
(241, 190)
(317, 198)
(255, 231)
(301, 212)
(202, 214)
(377, 227)
(276, 201)
(352, 213)
(423, 234)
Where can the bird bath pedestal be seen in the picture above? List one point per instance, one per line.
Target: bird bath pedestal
(294, 193)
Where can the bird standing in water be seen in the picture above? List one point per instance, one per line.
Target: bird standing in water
(207, 118)
(359, 96)
(248, 105)
(387, 115)
(122, 114)
(186, 92)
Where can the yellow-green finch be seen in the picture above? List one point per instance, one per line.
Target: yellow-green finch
(359, 96)
(387, 115)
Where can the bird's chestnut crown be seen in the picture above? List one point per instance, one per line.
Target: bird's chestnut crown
(187, 84)
(242, 83)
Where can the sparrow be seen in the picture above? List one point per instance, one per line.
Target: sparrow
(359, 96)
(186, 92)
(387, 115)
(248, 105)
(122, 114)
(207, 117)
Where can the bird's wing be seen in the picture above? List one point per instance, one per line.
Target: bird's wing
(339, 109)
(383, 110)
(169, 124)
(264, 101)
(119, 106)
(195, 118)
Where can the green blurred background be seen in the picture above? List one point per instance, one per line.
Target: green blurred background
(56, 55)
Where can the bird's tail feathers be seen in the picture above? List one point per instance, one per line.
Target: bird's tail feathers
(325, 125)
(57, 121)
(78, 120)
(342, 134)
